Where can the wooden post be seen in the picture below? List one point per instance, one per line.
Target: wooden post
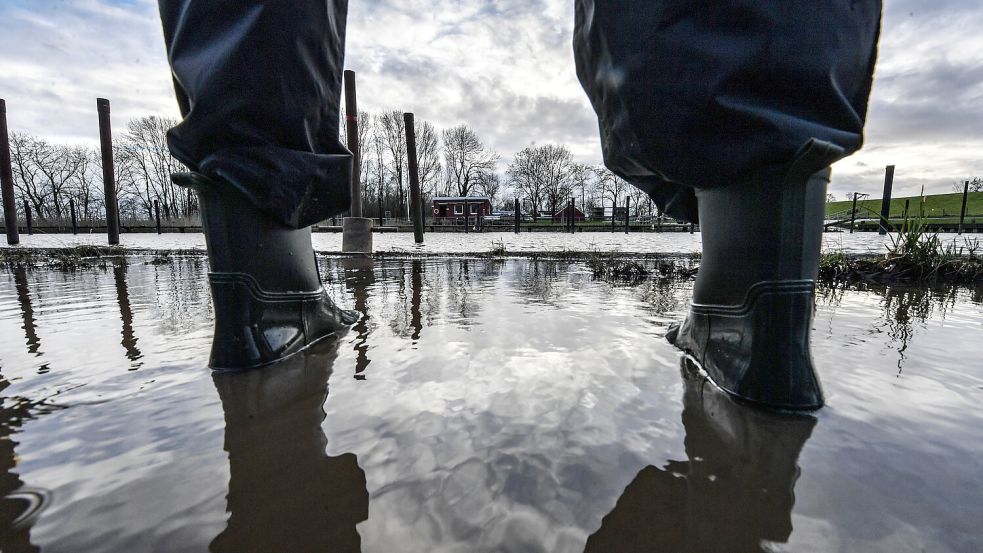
(416, 202)
(658, 218)
(27, 218)
(108, 176)
(886, 200)
(351, 126)
(853, 212)
(627, 212)
(518, 217)
(157, 215)
(7, 180)
(71, 207)
(962, 212)
(614, 211)
(467, 217)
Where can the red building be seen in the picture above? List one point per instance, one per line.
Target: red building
(450, 209)
(566, 213)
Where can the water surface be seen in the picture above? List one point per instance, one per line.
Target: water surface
(480, 405)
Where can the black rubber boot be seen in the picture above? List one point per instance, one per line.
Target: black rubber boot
(268, 299)
(754, 297)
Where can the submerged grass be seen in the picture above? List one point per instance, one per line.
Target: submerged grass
(71, 258)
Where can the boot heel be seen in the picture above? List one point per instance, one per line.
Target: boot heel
(759, 350)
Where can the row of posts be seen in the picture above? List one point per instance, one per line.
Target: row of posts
(108, 179)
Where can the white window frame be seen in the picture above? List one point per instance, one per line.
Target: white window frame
(474, 208)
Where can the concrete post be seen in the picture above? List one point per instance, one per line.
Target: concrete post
(108, 175)
(7, 180)
(416, 202)
(886, 201)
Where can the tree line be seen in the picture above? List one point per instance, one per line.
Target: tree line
(454, 161)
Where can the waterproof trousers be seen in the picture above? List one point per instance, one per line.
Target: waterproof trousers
(688, 94)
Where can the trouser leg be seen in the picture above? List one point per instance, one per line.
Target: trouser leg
(696, 95)
(258, 83)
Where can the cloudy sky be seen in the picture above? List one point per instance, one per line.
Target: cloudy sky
(505, 67)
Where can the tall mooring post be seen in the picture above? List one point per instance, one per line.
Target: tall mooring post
(853, 212)
(886, 201)
(614, 211)
(71, 207)
(157, 215)
(356, 231)
(627, 212)
(962, 212)
(7, 180)
(416, 202)
(27, 218)
(108, 174)
(517, 217)
(467, 216)
(572, 216)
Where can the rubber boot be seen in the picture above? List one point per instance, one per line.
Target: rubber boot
(753, 301)
(268, 299)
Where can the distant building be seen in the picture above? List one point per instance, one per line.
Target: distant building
(450, 209)
(600, 213)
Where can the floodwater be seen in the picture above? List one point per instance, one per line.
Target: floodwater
(480, 405)
(482, 242)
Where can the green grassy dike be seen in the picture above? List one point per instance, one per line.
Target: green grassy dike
(938, 205)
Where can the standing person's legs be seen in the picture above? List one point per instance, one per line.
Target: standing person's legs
(730, 114)
(258, 83)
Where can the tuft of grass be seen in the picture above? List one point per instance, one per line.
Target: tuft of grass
(498, 249)
(914, 255)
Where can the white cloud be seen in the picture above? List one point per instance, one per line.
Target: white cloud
(505, 67)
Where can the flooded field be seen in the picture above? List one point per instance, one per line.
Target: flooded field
(458, 243)
(479, 405)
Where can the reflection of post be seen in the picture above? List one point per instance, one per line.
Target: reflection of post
(26, 310)
(416, 286)
(358, 277)
(285, 494)
(129, 341)
(416, 202)
(7, 180)
(736, 488)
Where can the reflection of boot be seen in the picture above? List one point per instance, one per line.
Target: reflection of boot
(735, 492)
(285, 494)
(269, 302)
(753, 301)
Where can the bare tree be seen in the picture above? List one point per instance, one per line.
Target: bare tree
(610, 186)
(489, 184)
(394, 137)
(85, 184)
(28, 178)
(145, 142)
(543, 173)
(428, 156)
(465, 159)
(975, 185)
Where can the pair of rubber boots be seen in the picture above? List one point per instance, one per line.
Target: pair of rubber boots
(748, 325)
(266, 288)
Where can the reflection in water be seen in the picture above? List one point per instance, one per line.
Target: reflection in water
(27, 310)
(129, 341)
(358, 278)
(904, 307)
(734, 494)
(14, 507)
(416, 286)
(285, 493)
